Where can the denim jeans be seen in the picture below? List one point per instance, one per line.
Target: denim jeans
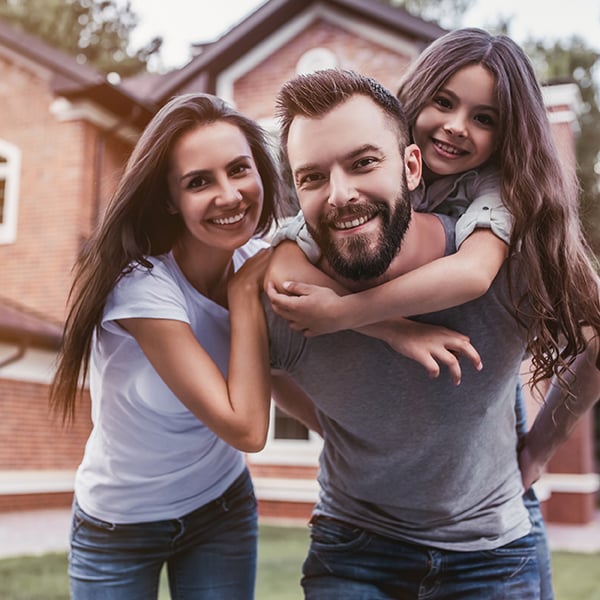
(348, 562)
(538, 527)
(210, 553)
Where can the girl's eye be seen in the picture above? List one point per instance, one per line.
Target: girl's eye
(486, 120)
(442, 102)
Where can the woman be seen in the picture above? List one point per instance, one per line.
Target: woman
(154, 303)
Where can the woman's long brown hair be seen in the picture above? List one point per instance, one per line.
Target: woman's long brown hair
(137, 224)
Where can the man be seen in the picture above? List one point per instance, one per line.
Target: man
(421, 492)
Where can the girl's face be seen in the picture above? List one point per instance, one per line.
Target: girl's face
(215, 186)
(457, 129)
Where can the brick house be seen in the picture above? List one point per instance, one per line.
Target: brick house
(65, 132)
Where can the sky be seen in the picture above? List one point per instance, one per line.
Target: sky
(183, 22)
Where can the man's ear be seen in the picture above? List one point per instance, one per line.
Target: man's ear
(412, 165)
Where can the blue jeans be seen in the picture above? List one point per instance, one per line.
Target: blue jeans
(348, 562)
(538, 527)
(210, 553)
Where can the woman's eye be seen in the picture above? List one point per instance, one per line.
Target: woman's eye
(196, 182)
(239, 169)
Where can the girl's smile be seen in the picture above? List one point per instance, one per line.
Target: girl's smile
(457, 129)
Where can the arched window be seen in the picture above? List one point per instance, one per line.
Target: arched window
(10, 168)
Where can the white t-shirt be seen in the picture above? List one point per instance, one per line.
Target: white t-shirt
(148, 457)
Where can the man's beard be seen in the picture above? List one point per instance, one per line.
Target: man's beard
(358, 258)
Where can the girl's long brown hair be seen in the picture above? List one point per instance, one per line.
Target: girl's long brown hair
(137, 224)
(562, 285)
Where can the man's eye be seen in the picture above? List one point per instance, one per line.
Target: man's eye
(367, 161)
(309, 178)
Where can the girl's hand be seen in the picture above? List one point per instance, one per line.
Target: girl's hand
(311, 309)
(248, 280)
(429, 345)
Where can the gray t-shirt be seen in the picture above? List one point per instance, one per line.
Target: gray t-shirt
(410, 457)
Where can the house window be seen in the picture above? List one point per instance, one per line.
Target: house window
(10, 165)
(315, 59)
(288, 428)
(288, 443)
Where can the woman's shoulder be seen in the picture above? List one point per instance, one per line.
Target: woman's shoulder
(250, 248)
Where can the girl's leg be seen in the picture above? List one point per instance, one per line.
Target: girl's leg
(216, 549)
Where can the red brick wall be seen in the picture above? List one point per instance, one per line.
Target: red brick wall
(55, 191)
(30, 438)
(255, 92)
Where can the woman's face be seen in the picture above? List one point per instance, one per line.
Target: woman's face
(457, 129)
(215, 186)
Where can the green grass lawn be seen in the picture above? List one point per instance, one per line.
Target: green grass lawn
(281, 552)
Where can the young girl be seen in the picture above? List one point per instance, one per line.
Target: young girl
(154, 303)
(476, 111)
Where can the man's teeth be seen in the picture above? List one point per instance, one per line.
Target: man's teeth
(354, 223)
(229, 220)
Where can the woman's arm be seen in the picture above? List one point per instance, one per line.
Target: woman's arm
(560, 413)
(236, 408)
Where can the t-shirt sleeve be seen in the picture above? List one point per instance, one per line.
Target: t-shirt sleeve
(295, 229)
(486, 211)
(144, 293)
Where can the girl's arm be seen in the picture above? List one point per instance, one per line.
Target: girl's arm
(440, 284)
(236, 408)
(429, 345)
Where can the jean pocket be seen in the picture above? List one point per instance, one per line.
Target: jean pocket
(239, 494)
(523, 546)
(336, 535)
(81, 519)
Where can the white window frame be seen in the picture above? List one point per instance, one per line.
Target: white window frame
(10, 172)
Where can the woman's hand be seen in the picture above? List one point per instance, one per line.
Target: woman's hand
(248, 280)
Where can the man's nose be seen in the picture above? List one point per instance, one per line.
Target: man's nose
(341, 188)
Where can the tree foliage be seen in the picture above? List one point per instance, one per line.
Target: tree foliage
(96, 32)
(575, 61)
(447, 13)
